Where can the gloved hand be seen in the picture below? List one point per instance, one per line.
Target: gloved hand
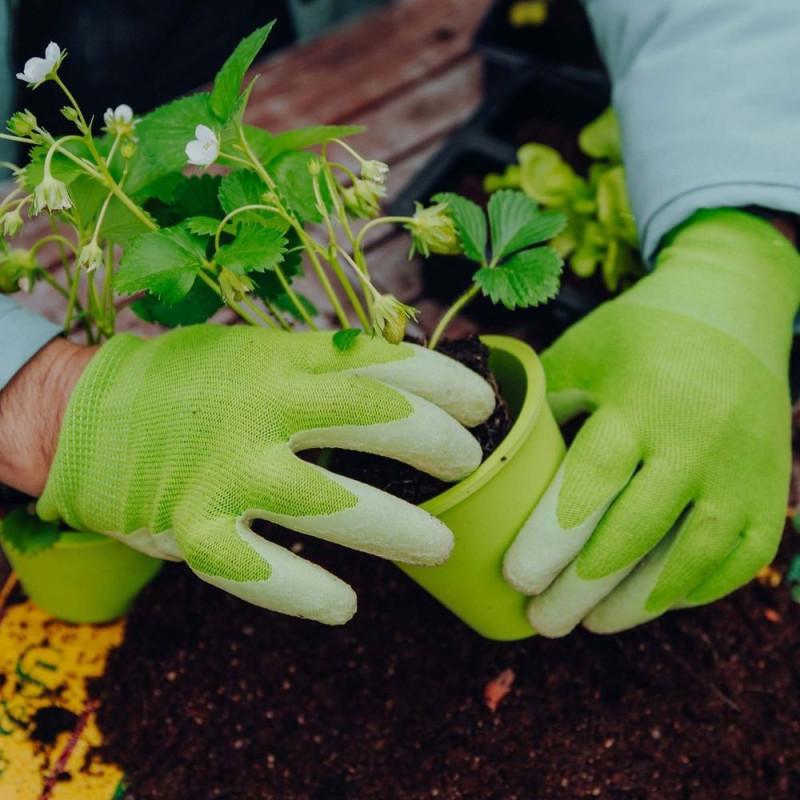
(674, 491)
(174, 445)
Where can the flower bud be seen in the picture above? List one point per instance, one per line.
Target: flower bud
(315, 167)
(390, 317)
(375, 171)
(234, 287)
(12, 222)
(128, 148)
(51, 194)
(22, 123)
(17, 270)
(68, 112)
(91, 256)
(433, 231)
(362, 199)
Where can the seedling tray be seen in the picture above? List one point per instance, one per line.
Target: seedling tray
(564, 43)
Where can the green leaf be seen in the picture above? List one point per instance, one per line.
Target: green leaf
(201, 303)
(164, 262)
(345, 339)
(526, 279)
(258, 140)
(517, 222)
(255, 249)
(470, 222)
(120, 223)
(613, 207)
(291, 173)
(163, 135)
(301, 138)
(601, 138)
(243, 188)
(202, 226)
(229, 79)
(545, 176)
(28, 534)
(197, 196)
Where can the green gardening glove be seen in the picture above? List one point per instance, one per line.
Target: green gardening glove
(674, 491)
(176, 444)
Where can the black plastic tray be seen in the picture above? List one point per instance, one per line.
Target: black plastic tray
(564, 43)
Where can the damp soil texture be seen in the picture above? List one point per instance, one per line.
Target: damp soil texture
(209, 697)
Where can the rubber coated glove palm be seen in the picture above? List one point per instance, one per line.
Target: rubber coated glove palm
(674, 491)
(175, 444)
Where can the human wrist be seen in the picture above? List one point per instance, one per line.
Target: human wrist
(32, 408)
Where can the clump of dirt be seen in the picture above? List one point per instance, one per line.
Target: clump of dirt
(49, 722)
(209, 697)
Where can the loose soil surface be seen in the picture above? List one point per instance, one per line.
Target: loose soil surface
(209, 697)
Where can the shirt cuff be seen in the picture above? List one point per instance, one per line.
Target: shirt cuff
(706, 96)
(22, 334)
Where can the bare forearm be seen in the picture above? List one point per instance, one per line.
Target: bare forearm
(32, 407)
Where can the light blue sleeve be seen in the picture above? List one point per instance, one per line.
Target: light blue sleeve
(707, 95)
(22, 334)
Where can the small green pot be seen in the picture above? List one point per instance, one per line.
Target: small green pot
(84, 577)
(486, 510)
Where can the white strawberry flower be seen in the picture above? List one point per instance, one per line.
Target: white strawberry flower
(37, 70)
(119, 121)
(204, 148)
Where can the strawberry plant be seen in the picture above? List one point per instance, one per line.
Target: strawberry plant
(190, 209)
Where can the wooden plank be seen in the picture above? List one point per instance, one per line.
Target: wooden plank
(338, 77)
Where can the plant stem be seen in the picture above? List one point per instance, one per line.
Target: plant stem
(231, 304)
(349, 290)
(297, 302)
(333, 259)
(359, 241)
(259, 313)
(451, 313)
(62, 240)
(49, 279)
(109, 311)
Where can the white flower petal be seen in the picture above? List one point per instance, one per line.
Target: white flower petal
(108, 117)
(35, 70)
(123, 113)
(199, 154)
(205, 135)
(52, 53)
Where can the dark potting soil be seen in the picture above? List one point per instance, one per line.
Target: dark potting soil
(209, 697)
(411, 484)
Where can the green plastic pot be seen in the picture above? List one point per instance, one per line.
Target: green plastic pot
(486, 510)
(84, 577)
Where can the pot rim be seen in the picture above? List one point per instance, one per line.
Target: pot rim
(526, 419)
